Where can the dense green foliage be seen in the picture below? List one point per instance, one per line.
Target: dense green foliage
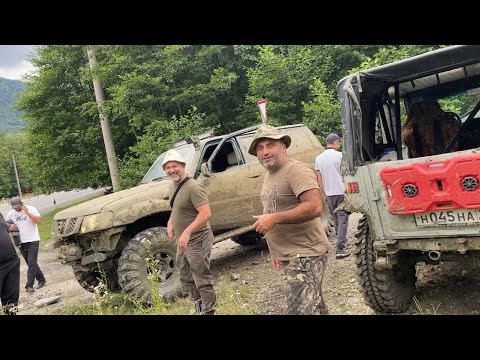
(158, 94)
(13, 144)
(10, 119)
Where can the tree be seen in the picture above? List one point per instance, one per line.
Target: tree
(13, 143)
(322, 113)
(157, 94)
(143, 84)
(63, 134)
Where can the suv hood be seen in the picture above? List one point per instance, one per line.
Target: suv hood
(142, 196)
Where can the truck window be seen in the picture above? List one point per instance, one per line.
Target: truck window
(227, 157)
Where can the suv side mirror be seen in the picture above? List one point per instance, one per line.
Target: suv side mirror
(205, 170)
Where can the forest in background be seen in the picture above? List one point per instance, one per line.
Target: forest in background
(159, 94)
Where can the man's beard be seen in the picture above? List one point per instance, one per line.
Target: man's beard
(175, 177)
(271, 163)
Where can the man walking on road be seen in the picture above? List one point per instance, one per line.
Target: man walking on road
(25, 219)
(330, 180)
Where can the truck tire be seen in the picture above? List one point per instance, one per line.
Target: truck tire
(384, 290)
(134, 269)
(89, 280)
(249, 238)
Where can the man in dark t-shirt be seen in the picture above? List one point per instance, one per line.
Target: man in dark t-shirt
(9, 271)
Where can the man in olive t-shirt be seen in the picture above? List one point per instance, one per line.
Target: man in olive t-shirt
(291, 221)
(189, 223)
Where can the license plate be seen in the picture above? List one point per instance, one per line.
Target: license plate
(447, 218)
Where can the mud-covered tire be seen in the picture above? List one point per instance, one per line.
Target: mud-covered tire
(249, 238)
(384, 290)
(134, 269)
(89, 280)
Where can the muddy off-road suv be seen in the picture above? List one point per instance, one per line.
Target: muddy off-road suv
(415, 208)
(110, 238)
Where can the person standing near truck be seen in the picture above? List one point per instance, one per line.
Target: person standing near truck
(189, 223)
(25, 220)
(330, 180)
(291, 221)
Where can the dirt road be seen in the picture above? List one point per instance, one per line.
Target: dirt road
(448, 288)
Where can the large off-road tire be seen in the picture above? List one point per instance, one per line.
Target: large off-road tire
(134, 268)
(89, 280)
(249, 238)
(384, 290)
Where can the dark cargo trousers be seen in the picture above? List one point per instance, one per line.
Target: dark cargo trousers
(195, 275)
(340, 219)
(304, 278)
(10, 286)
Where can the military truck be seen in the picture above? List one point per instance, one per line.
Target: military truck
(415, 209)
(121, 238)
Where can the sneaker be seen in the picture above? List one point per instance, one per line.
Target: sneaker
(41, 284)
(342, 254)
(30, 289)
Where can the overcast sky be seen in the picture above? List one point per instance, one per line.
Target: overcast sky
(13, 63)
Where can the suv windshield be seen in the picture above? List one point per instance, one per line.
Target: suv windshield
(156, 172)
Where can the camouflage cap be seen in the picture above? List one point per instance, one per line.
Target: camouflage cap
(172, 155)
(270, 132)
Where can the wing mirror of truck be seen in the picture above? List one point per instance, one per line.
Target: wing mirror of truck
(205, 170)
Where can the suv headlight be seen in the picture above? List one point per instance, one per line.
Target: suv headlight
(96, 222)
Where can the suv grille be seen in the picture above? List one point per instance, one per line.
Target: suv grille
(66, 227)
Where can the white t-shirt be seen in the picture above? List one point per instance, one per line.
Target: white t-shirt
(26, 227)
(328, 163)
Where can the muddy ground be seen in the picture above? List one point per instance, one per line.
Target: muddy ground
(447, 288)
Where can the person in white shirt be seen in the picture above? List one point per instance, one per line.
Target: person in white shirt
(25, 219)
(330, 180)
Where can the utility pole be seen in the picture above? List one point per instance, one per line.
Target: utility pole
(16, 176)
(105, 123)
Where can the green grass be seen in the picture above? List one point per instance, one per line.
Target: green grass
(232, 299)
(45, 227)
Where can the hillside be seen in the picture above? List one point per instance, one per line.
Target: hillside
(10, 119)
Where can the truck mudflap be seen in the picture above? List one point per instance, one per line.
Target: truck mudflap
(433, 185)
